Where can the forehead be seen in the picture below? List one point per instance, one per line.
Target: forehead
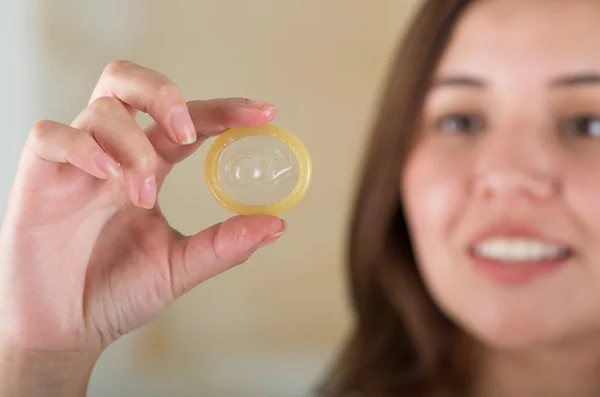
(538, 38)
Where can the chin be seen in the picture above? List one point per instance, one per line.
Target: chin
(507, 340)
(512, 332)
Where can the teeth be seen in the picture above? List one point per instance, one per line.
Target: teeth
(518, 250)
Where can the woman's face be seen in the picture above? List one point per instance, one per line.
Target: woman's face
(502, 189)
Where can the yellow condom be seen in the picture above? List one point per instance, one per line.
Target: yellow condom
(258, 170)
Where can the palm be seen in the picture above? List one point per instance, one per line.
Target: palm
(129, 274)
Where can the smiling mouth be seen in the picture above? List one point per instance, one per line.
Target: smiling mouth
(519, 250)
(516, 255)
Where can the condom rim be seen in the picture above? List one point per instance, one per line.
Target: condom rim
(211, 169)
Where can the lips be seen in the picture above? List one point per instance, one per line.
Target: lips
(517, 255)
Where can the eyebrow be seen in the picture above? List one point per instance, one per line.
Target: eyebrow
(576, 80)
(460, 81)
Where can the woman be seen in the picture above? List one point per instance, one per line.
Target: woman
(473, 265)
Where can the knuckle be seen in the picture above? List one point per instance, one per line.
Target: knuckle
(117, 67)
(168, 89)
(165, 95)
(41, 129)
(104, 106)
(146, 161)
(229, 236)
(219, 246)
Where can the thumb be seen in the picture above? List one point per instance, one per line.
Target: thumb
(220, 247)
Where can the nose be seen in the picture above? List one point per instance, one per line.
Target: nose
(516, 168)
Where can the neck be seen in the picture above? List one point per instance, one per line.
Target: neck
(557, 371)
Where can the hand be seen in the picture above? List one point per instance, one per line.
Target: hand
(86, 253)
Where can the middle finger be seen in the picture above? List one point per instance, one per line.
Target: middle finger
(117, 132)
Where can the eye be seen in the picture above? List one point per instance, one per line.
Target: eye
(460, 123)
(583, 125)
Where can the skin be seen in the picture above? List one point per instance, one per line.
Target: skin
(497, 146)
(65, 297)
(87, 255)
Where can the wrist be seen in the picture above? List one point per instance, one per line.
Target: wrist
(32, 373)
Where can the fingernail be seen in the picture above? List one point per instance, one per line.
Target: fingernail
(271, 238)
(147, 192)
(261, 105)
(106, 164)
(182, 126)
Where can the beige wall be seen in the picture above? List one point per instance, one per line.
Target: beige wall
(268, 327)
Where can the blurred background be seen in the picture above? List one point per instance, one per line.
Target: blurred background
(272, 326)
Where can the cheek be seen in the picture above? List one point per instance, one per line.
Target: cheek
(434, 187)
(582, 198)
(581, 192)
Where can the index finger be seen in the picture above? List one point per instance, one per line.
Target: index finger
(212, 117)
(150, 92)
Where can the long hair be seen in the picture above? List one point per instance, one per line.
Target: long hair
(400, 344)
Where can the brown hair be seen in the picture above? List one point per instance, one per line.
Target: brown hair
(401, 343)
